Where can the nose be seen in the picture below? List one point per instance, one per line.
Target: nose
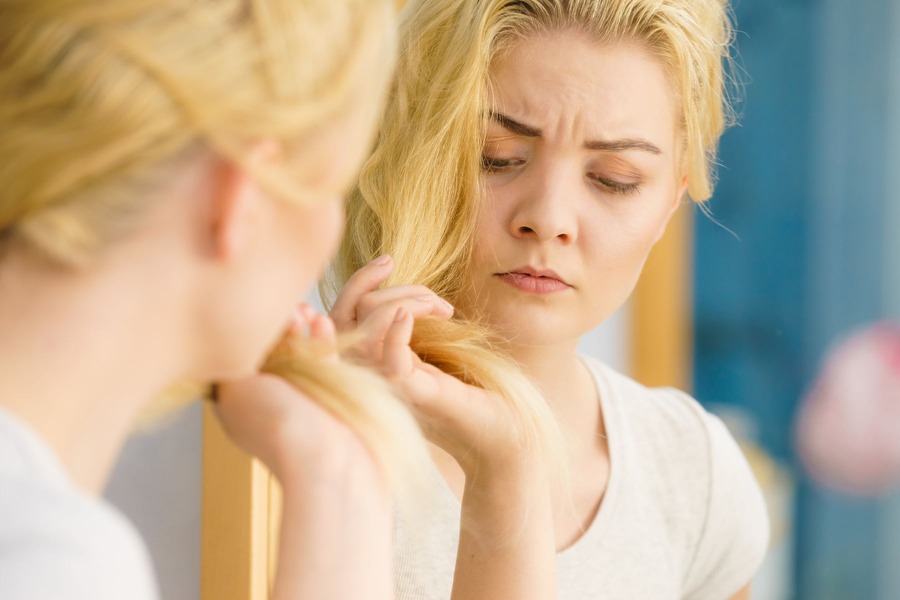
(547, 210)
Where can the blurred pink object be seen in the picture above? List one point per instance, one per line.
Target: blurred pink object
(848, 428)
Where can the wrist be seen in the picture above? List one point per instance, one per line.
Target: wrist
(323, 496)
(506, 472)
(337, 470)
(500, 508)
(506, 488)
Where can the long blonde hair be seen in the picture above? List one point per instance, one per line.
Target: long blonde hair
(100, 100)
(417, 196)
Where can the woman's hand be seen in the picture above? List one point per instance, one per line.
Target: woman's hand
(474, 426)
(336, 520)
(506, 545)
(362, 306)
(271, 419)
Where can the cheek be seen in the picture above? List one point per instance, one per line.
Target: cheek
(491, 221)
(332, 227)
(309, 236)
(644, 219)
(619, 244)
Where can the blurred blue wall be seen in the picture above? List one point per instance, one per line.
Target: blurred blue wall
(806, 187)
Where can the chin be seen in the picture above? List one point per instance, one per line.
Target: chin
(235, 367)
(243, 354)
(541, 327)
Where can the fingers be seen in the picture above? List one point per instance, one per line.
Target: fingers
(361, 297)
(322, 330)
(299, 319)
(417, 306)
(316, 327)
(362, 282)
(417, 381)
(377, 323)
(396, 357)
(372, 301)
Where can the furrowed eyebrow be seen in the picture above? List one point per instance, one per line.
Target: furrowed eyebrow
(604, 145)
(622, 145)
(515, 126)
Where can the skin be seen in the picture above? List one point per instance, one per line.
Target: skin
(582, 173)
(502, 483)
(201, 291)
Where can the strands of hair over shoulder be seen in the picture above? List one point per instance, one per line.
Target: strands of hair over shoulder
(418, 194)
(101, 101)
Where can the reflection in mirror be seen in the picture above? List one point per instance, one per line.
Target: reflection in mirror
(531, 156)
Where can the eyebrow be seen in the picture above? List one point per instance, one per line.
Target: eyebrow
(515, 126)
(604, 145)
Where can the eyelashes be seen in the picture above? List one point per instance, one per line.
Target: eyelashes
(490, 164)
(617, 187)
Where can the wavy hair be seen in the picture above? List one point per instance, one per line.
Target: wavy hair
(417, 196)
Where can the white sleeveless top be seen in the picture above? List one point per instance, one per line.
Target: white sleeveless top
(682, 516)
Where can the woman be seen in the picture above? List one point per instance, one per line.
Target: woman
(532, 154)
(171, 177)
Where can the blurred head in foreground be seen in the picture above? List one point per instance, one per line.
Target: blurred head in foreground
(187, 161)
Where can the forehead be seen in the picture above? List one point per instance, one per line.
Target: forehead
(565, 81)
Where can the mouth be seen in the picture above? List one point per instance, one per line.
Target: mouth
(535, 281)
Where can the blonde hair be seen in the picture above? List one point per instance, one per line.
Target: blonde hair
(100, 100)
(417, 195)
(690, 38)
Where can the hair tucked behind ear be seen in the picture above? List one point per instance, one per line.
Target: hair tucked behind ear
(417, 195)
(102, 100)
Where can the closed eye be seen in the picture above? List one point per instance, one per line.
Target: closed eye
(616, 187)
(491, 164)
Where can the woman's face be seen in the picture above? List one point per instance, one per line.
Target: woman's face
(580, 176)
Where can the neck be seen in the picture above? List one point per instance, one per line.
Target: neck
(74, 361)
(566, 384)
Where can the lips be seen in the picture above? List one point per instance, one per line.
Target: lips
(535, 281)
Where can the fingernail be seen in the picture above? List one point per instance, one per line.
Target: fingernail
(425, 298)
(447, 305)
(382, 260)
(401, 314)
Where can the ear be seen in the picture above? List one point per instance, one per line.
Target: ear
(681, 195)
(234, 203)
(230, 207)
(676, 202)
